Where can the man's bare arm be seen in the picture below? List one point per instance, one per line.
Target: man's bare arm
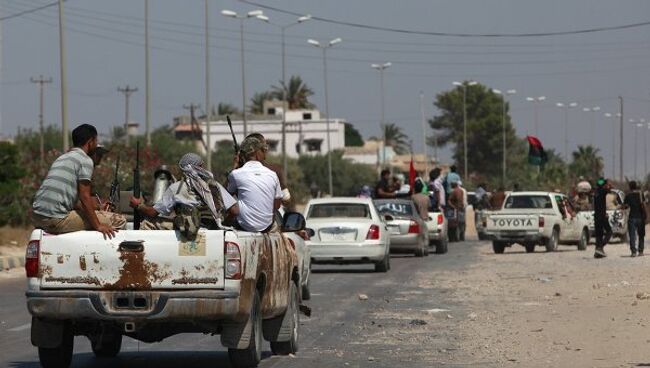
(88, 206)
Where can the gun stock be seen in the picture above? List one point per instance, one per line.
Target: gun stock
(114, 196)
(137, 217)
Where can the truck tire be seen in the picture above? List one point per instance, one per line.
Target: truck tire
(383, 265)
(61, 356)
(530, 247)
(625, 238)
(107, 345)
(441, 246)
(290, 346)
(498, 247)
(251, 356)
(551, 243)
(306, 291)
(584, 240)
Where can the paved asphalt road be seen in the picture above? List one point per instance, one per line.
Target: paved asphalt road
(343, 330)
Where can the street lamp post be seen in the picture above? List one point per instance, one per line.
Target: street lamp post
(242, 18)
(324, 47)
(615, 116)
(283, 28)
(464, 85)
(566, 106)
(535, 101)
(592, 109)
(636, 138)
(381, 68)
(504, 95)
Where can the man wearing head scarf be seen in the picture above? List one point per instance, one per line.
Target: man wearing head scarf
(196, 194)
(257, 188)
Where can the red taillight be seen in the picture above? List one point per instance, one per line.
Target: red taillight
(233, 261)
(541, 221)
(373, 233)
(414, 228)
(440, 219)
(31, 258)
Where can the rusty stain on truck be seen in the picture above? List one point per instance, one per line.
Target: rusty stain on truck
(82, 262)
(135, 272)
(75, 280)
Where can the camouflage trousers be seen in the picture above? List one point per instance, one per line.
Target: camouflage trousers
(157, 223)
(74, 221)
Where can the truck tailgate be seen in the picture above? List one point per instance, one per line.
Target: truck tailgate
(133, 260)
(512, 222)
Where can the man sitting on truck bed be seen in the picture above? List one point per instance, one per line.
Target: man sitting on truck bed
(196, 195)
(257, 188)
(69, 181)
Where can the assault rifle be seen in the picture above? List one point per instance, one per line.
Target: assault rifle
(234, 142)
(114, 196)
(137, 218)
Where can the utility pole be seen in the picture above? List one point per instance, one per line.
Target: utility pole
(620, 153)
(195, 128)
(147, 87)
(208, 111)
(41, 82)
(127, 94)
(64, 86)
(424, 135)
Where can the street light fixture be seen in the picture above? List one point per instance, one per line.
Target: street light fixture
(464, 85)
(592, 109)
(324, 48)
(283, 28)
(381, 68)
(504, 95)
(636, 135)
(536, 101)
(615, 117)
(566, 106)
(257, 14)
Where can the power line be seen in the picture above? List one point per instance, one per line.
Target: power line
(29, 11)
(453, 34)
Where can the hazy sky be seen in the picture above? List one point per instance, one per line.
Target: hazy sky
(105, 50)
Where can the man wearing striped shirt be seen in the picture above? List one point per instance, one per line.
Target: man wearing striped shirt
(69, 182)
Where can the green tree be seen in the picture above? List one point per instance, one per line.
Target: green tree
(352, 136)
(257, 102)
(396, 138)
(484, 127)
(347, 177)
(11, 173)
(297, 93)
(227, 109)
(587, 162)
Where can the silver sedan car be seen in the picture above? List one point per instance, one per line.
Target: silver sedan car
(347, 230)
(408, 231)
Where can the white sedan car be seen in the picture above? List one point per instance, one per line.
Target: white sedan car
(347, 230)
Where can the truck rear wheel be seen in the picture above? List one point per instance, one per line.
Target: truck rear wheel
(252, 355)
(107, 345)
(61, 356)
(441, 246)
(290, 346)
(498, 247)
(584, 239)
(551, 243)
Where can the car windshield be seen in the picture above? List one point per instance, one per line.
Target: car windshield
(402, 209)
(324, 210)
(529, 201)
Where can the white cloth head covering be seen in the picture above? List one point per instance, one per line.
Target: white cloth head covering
(197, 178)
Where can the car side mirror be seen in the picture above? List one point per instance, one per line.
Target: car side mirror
(388, 217)
(293, 221)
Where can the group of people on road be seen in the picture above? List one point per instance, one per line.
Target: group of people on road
(253, 193)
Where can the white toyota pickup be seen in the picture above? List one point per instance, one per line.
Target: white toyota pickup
(150, 285)
(535, 218)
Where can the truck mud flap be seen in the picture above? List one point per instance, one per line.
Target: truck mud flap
(47, 334)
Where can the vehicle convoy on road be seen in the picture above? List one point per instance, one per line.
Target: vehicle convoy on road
(408, 231)
(437, 231)
(535, 218)
(347, 230)
(149, 285)
(617, 217)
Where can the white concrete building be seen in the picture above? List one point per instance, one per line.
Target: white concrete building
(306, 131)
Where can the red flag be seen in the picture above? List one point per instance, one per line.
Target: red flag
(412, 175)
(536, 154)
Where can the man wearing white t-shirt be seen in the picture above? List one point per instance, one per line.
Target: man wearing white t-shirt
(257, 188)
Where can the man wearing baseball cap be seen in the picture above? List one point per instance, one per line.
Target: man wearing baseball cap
(257, 187)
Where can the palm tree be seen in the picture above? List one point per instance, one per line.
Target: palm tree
(227, 109)
(587, 162)
(257, 102)
(297, 91)
(396, 138)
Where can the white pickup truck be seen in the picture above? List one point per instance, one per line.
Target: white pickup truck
(150, 285)
(535, 218)
(617, 217)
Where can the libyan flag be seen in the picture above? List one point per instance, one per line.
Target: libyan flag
(536, 154)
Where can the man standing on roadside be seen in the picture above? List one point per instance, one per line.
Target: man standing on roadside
(634, 200)
(69, 181)
(603, 232)
(438, 190)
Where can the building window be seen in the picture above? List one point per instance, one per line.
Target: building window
(313, 145)
(273, 145)
(306, 116)
(270, 111)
